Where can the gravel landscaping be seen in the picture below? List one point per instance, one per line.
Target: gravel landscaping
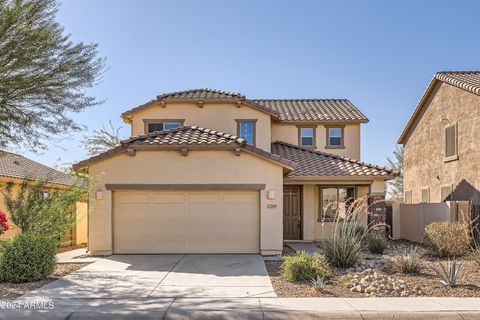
(14, 290)
(376, 276)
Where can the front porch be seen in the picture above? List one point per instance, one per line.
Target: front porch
(309, 207)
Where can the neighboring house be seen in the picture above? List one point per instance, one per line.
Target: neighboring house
(442, 141)
(209, 171)
(15, 168)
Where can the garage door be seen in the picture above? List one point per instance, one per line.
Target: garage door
(186, 221)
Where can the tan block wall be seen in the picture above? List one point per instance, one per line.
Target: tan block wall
(424, 150)
(199, 167)
(219, 117)
(81, 226)
(289, 133)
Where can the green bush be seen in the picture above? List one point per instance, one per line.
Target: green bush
(27, 257)
(409, 261)
(447, 239)
(376, 243)
(303, 266)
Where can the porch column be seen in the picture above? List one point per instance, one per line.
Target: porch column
(309, 214)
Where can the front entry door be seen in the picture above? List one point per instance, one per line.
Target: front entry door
(292, 215)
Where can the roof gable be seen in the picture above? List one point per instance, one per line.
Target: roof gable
(187, 137)
(465, 80)
(201, 96)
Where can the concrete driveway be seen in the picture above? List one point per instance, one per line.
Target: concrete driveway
(164, 276)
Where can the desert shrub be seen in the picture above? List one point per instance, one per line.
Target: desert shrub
(376, 243)
(33, 212)
(27, 257)
(447, 239)
(303, 266)
(409, 261)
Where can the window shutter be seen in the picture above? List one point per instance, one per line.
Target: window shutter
(445, 193)
(426, 195)
(408, 197)
(450, 141)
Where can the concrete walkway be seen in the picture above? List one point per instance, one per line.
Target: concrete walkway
(164, 276)
(75, 256)
(252, 308)
(308, 247)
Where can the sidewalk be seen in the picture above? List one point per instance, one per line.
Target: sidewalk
(75, 256)
(255, 308)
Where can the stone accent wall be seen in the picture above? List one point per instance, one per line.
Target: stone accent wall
(424, 149)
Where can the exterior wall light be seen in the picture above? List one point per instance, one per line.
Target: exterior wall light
(271, 194)
(98, 195)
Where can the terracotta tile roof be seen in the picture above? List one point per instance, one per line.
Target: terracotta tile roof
(203, 93)
(185, 137)
(188, 135)
(315, 163)
(16, 166)
(199, 95)
(314, 109)
(466, 80)
(281, 109)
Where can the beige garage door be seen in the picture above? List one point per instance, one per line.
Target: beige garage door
(186, 221)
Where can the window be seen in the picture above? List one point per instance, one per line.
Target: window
(45, 194)
(451, 142)
(408, 197)
(152, 125)
(426, 195)
(335, 137)
(246, 130)
(446, 193)
(306, 137)
(335, 201)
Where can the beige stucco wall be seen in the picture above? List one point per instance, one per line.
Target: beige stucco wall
(316, 230)
(424, 149)
(289, 133)
(199, 167)
(217, 116)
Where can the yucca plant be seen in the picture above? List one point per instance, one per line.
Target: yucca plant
(449, 273)
(343, 249)
(409, 261)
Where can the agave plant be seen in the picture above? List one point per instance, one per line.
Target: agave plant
(318, 283)
(449, 273)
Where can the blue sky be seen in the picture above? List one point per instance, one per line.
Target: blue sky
(378, 54)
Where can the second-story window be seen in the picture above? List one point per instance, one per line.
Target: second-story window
(246, 130)
(335, 137)
(306, 137)
(152, 125)
(451, 142)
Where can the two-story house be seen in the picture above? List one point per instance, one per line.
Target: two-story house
(208, 171)
(441, 141)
